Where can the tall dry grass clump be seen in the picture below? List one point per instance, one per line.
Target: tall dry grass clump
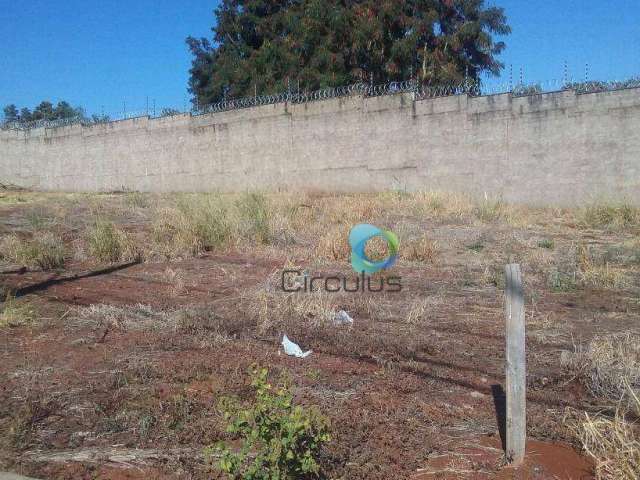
(607, 365)
(252, 219)
(613, 443)
(610, 216)
(350, 209)
(441, 206)
(201, 222)
(278, 312)
(292, 216)
(421, 249)
(597, 272)
(14, 313)
(107, 243)
(44, 250)
(333, 244)
(582, 266)
(490, 210)
(195, 223)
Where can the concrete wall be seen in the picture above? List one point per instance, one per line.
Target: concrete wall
(555, 148)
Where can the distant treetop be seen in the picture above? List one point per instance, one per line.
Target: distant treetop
(45, 110)
(262, 46)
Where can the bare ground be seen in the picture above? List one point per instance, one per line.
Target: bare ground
(129, 389)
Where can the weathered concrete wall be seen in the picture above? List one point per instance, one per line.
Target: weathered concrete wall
(557, 148)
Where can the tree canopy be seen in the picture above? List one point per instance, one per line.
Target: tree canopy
(266, 46)
(45, 110)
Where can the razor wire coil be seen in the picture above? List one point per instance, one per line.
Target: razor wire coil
(419, 91)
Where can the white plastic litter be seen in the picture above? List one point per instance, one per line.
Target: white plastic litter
(342, 318)
(293, 349)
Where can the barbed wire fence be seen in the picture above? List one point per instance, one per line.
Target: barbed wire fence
(420, 92)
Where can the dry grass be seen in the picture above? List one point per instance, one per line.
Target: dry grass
(610, 216)
(422, 249)
(334, 244)
(441, 206)
(613, 443)
(44, 250)
(608, 365)
(177, 281)
(107, 243)
(252, 219)
(350, 209)
(417, 312)
(597, 272)
(200, 322)
(15, 313)
(195, 224)
(585, 266)
(273, 312)
(490, 210)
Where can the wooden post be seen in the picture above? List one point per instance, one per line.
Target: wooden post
(516, 421)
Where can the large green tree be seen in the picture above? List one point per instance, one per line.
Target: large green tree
(265, 46)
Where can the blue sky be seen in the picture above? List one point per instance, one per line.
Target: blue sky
(114, 54)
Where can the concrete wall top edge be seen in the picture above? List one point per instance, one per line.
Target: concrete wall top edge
(480, 104)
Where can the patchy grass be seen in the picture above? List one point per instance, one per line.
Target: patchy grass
(38, 218)
(562, 281)
(417, 312)
(452, 253)
(610, 216)
(476, 246)
(441, 206)
(15, 313)
(546, 243)
(107, 243)
(24, 421)
(490, 210)
(137, 200)
(595, 271)
(253, 218)
(422, 249)
(613, 443)
(334, 243)
(583, 266)
(196, 223)
(608, 365)
(274, 312)
(44, 250)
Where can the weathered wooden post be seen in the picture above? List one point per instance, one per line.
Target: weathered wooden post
(516, 391)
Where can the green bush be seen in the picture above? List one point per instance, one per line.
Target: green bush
(280, 440)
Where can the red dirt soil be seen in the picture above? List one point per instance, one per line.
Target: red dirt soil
(430, 414)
